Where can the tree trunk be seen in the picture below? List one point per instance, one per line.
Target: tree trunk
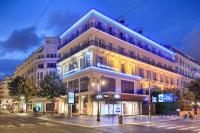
(26, 106)
(43, 107)
(53, 106)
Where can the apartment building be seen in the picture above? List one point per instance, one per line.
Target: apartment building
(40, 62)
(5, 99)
(35, 67)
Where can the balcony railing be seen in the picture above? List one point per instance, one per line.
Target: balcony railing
(115, 34)
(107, 47)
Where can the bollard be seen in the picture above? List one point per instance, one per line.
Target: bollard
(120, 119)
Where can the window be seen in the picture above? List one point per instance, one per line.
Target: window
(110, 30)
(130, 40)
(133, 71)
(82, 63)
(166, 79)
(148, 74)
(51, 65)
(111, 63)
(122, 68)
(84, 84)
(110, 46)
(110, 85)
(131, 53)
(141, 72)
(154, 76)
(161, 78)
(40, 66)
(122, 36)
(121, 50)
(99, 25)
(100, 59)
(127, 86)
(171, 81)
(41, 75)
(73, 85)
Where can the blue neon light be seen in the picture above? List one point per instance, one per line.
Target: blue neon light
(107, 19)
(103, 70)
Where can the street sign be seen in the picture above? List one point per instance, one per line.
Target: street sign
(71, 98)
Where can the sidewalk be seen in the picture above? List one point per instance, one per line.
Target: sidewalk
(90, 121)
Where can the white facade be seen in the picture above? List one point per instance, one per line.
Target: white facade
(41, 62)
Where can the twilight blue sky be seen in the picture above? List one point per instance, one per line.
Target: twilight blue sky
(175, 22)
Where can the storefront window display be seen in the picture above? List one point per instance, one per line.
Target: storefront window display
(127, 108)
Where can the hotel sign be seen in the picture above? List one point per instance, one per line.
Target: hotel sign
(71, 98)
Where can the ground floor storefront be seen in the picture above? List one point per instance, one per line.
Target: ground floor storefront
(107, 104)
(87, 104)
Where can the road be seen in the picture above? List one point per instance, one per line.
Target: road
(18, 124)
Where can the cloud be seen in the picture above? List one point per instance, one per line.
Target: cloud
(192, 41)
(20, 40)
(8, 66)
(60, 21)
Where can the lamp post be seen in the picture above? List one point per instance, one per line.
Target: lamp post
(149, 104)
(149, 100)
(99, 82)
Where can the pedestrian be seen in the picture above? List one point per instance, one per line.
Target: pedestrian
(190, 115)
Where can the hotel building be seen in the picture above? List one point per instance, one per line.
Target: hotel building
(101, 55)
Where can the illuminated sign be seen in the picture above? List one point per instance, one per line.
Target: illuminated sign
(99, 96)
(104, 66)
(154, 99)
(168, 97)
(116, 96)
(71, 98)
(160, 98)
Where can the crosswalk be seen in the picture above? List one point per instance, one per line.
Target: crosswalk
(29, 125)
(195, 127)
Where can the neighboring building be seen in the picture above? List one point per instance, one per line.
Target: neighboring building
(98, 48)
(187, 66)
(5, 99)
(35, 67)
(41, 62)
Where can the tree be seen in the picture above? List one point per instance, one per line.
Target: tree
(194, 86)
(51, 87)
(29, 90)
(15, 88)
(184, 97)
(20, 86)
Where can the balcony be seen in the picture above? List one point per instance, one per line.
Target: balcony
(106, 47)
(115, 34)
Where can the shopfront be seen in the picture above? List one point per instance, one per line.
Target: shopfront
(112, 104)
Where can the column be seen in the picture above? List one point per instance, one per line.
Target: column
(89, 105)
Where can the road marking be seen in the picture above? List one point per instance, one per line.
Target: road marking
(173, 127)
(196, 130)
(186, 128)
(10, 126)
(165, 125)
(48, 124)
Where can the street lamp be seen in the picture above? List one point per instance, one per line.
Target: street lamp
(99, 82)
(149, 100)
